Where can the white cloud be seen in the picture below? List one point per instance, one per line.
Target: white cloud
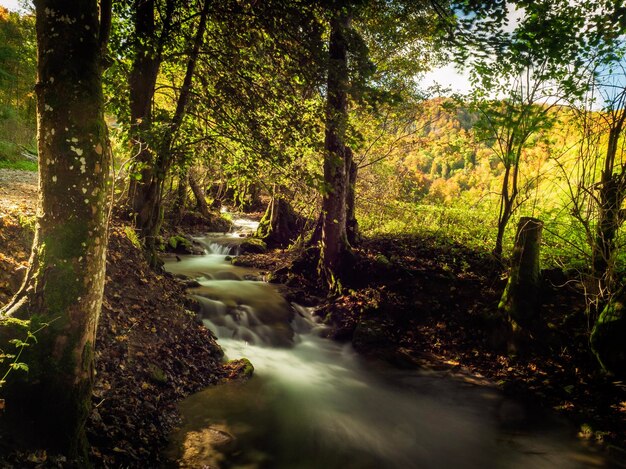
(447, 77)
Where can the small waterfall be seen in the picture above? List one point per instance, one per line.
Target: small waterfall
(219, 249)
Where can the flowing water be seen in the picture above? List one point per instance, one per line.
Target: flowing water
(313, 403)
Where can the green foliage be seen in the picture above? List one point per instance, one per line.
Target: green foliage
(10, 360)
(11, 157)
(22, 165)
(27, 222)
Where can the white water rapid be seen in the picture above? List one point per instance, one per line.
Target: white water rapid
(313, 403)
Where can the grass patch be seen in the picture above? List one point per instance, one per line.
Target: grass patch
(22, 165)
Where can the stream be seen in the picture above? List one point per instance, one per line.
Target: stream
(314, 403)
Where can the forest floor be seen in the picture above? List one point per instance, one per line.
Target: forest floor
(415, 303)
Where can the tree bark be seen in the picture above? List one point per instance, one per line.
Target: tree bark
(63, 288)
(520, 300)
(337, 157)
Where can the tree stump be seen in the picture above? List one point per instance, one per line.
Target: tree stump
(520, 300)
(607, 337)
(280, 224)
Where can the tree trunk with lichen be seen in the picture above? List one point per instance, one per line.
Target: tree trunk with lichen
(48, 406)
(520, 300)
(337, 156)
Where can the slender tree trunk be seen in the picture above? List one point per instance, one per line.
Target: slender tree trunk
(142, 82)
(503, 217)
(181, 195)
(147, 202)
(337, 157)
(63, 288)
(612, 195)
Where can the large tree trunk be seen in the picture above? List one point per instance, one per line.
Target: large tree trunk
(520, 300)
(63, 288)
(337, 157)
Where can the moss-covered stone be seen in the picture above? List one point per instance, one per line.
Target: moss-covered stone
(239, 370)
(253, 245)
(157, 374)
(180, 245)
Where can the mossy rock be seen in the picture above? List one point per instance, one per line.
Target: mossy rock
(157, 374)
(180, 245)
(253, 246)
(239, 370)
(382, 261)
(607, 337)
(218, 223)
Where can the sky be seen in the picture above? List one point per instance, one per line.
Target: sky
(10, 4)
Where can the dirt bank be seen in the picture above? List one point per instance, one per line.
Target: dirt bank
(151, 352)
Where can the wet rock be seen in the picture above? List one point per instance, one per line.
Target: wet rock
(511, 414)
(225, 275)
(207, 447)
(239, 370)
(192, 284)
